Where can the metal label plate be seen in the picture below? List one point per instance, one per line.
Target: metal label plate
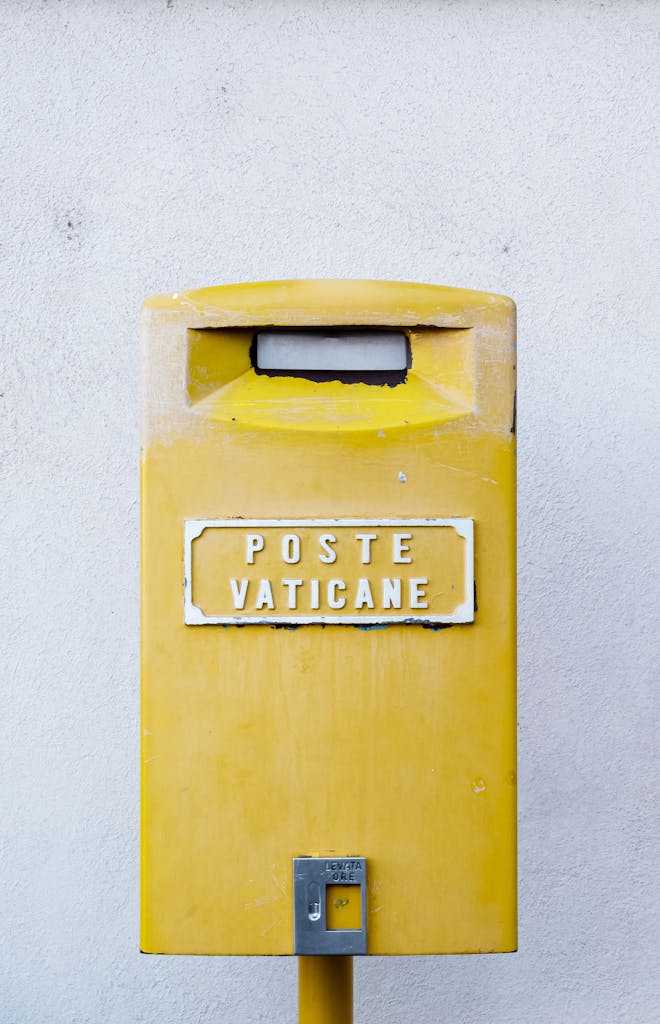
(334, 571)
(316, 925)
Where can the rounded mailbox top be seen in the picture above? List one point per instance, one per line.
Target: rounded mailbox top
(331, 301)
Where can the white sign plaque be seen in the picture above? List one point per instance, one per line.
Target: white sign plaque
(360, 572)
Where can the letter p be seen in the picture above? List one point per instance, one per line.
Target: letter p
(253, 542)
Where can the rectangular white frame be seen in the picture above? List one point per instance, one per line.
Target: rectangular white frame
(194, 616)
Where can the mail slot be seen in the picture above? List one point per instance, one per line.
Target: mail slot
(328, 620)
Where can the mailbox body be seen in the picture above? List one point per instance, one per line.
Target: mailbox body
(268, 739)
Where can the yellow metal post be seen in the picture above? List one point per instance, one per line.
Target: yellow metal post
(325, 989)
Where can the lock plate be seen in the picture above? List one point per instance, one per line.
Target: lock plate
(340, 928)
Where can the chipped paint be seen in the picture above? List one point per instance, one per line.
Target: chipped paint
(278, 463)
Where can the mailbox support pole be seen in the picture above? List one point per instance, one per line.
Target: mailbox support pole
(325, 989)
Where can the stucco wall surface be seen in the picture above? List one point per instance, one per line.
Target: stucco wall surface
(153, 146)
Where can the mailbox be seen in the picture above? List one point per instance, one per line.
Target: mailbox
(328, 620)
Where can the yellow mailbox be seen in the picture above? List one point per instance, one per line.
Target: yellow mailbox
(328, 620)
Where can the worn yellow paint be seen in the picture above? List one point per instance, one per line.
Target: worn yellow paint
(261, 744)
(293, 404)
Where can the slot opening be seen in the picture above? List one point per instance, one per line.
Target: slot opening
(348, 355)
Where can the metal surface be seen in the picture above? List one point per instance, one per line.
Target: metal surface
(261, 744)
(325, 990)
(314, 878)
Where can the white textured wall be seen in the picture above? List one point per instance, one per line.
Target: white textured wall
(149, 146)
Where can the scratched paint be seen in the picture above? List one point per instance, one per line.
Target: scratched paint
(268, 743)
